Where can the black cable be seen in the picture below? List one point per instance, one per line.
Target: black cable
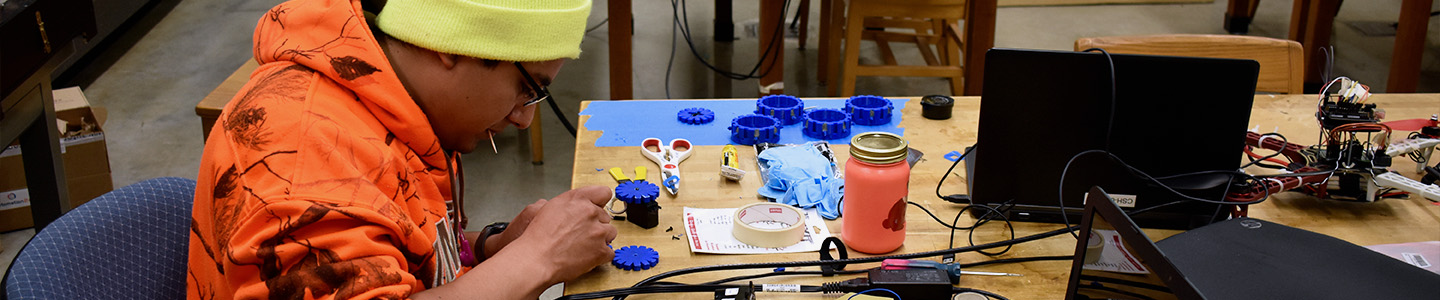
(685, 31)
(1110, 125)
(981, 221)
(670, 63)
(783, 273)
(561, 115)
(1254, 161)
(692, 270)
(1060, 193)
(659, 289)
(1302, 174)
(597, 26)
(1016, 260)
(954, 221)
(942, 223)
(952, 169)
(986, 219)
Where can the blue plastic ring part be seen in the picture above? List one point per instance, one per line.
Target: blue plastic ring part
(869, 110)
(637, 192)
(827, 124)
(635, 258)
(788, 109)
(695, 116)
(753, 129)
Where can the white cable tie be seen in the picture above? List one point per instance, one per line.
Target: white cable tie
(1261, 142)
(1277, 182)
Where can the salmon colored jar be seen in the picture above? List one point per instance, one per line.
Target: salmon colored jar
(876, 182)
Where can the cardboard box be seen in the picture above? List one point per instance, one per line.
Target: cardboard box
(87, 161)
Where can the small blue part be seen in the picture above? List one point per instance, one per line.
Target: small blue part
(635, 258)
(869, 110)
(788, 109)
(637, 192)
(827, 124)
(753, 129)
(672, 183)
(952, 156)
(695, 116)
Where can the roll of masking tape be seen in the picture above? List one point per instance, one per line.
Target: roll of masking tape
(1094, 246)
(769, 225)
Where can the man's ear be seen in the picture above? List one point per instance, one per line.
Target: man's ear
(449, 60)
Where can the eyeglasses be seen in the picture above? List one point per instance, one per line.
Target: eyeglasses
(541, 93)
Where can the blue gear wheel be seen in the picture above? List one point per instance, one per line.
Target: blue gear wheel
(753, 129)
(869, 110)
(635, 258)
(788, 109)
(695, 116)
(827, 124)
(637, 192)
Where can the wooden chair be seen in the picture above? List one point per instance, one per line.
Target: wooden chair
(933, 22)
(1281, 61)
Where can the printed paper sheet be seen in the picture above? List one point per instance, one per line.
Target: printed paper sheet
(709, 231)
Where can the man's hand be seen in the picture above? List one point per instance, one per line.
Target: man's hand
(553, 241)
(567, 235)
(517, 226)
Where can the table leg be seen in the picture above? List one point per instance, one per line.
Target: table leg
(44, 169)
(772, 46)
(621, 20)
(724, 20)
(1409, 45)
(979, 37)
(822, 67)
(1238, 15)
(1311, 22)
(804, 14)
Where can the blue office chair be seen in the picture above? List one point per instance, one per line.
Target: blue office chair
(128, 243)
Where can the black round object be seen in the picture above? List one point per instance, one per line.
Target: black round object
(936, 107)
(1430, 131)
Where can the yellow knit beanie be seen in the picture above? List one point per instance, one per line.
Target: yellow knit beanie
(506, 30)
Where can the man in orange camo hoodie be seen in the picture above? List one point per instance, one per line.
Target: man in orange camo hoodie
(333, 174)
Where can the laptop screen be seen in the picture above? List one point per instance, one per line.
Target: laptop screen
(1115, 260)
(1171, 115)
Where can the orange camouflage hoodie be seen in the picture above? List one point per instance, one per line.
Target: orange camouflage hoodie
(323, 178)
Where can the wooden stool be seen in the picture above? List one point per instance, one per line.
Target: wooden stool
(935, 22)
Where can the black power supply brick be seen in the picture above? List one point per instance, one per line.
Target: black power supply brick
(911, 283)
(746, 292)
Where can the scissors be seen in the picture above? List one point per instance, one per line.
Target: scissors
(669, 158)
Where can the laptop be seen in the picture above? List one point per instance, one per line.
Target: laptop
(1240, 258)
(1172, 115)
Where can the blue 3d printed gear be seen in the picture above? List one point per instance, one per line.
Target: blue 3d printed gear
(869, 110)
(789, 110)
(637, 192)
(695, 116)
(635, 258)
(754, 129)
(827, 124)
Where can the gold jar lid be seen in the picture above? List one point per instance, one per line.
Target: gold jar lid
(878, 147)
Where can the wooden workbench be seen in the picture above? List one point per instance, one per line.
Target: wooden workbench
(1382, 222)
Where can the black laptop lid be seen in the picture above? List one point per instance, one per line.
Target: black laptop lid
(1115, 260)
(1255, 259)
(1173, 115)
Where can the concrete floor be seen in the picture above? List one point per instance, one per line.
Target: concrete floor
(150, 80)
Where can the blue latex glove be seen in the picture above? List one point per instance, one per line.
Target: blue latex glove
(800, 176)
